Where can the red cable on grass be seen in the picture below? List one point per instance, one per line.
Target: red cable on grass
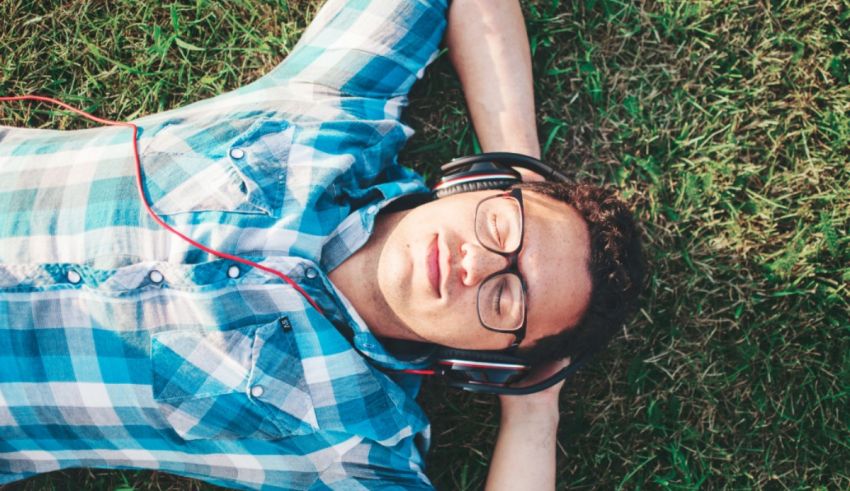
(141, 190)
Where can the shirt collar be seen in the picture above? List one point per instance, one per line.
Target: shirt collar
(412, 355)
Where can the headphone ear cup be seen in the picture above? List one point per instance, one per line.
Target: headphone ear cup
(474, 173)
(479, 370)
(483, 184)
(479, 356)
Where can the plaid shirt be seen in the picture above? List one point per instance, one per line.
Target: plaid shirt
(121, 346)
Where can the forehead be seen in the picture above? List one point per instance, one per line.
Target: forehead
(554, 261)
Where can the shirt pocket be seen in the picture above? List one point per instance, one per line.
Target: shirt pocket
(221, 165)
(226, 385)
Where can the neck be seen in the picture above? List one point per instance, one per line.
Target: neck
(357, 279)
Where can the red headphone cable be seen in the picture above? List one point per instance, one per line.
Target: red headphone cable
(141, 190)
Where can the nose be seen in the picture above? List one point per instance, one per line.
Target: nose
(477, 263)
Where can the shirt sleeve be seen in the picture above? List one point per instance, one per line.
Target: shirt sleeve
(366, 48)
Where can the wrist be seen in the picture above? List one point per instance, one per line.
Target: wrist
(525, 409)
(530, 423)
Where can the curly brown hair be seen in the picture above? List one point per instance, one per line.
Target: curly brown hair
(616, 268)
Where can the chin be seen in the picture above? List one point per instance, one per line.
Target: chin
(393, 278)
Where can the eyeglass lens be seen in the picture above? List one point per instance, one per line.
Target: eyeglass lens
(498, 227)
(498, 224)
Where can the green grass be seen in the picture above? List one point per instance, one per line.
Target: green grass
(726, 123)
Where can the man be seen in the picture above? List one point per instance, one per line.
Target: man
(122, 346)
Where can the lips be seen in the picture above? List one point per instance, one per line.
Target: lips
(434, 266)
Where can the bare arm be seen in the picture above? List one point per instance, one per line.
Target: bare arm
(525, 450)
(524, 457)
(488, 46)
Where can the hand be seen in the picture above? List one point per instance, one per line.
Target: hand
(545, 399)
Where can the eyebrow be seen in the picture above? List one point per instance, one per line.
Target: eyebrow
(528, 293)
(522, 270)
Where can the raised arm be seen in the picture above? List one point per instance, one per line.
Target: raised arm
(488, 47)
(524, 457)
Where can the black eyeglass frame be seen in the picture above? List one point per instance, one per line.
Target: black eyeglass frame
(511, 268)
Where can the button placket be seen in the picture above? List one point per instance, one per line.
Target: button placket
(73, 277)
(156, 277)
(257, 391)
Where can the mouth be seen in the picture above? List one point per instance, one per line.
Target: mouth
(433, 263)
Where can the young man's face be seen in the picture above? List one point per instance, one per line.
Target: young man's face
(432, 264)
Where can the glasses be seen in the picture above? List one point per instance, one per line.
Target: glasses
(502, 295)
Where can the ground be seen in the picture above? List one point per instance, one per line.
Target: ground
(724, 122)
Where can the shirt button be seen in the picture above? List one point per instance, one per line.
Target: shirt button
(237, 153)
(74, 277)
(311, 273)
(156, 277)
(257, 391)
(372, 210)
(233, 272)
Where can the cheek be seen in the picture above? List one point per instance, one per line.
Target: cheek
(446, 324)
(462, 320)
(452, 208)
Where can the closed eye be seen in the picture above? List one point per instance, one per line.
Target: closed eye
(497, 298)
(494, 228)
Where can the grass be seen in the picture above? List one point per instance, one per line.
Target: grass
(725, 122)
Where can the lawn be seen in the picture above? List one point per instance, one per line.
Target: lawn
(725, 123)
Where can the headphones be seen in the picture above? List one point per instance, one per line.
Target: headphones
(490, 371)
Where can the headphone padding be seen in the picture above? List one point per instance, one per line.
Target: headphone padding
(480, 356)
(482, 185)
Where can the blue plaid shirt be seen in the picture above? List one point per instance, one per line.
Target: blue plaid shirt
(122, 346)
